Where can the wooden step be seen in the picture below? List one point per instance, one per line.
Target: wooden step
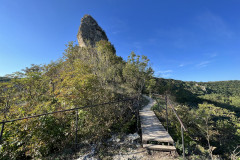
(153, 130)
(159, 147)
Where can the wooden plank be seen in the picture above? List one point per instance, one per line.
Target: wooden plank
(152, 129)
(159, 147)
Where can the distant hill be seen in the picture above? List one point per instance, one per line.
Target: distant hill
(4, 79)
(228, 88)
(192, 93)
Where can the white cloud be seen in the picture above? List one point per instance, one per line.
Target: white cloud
(203, 64)
(164, 74)
(213, 55)
(214, 24)
(181, 65)
(210, 55)
(117, 26)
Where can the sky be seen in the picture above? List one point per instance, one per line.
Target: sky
(189, 40)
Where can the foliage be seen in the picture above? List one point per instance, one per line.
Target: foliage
(137, 73)
(4, 79)
(210, 111)
(83, 76)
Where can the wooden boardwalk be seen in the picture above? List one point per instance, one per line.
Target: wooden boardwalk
(154, 135)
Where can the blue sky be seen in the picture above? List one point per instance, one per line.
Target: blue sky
(190, 40)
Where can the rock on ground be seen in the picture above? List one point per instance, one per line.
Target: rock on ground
(127, 147)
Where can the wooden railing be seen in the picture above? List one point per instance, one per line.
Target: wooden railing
(183, 128)
(66, 110)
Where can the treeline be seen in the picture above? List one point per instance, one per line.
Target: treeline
(211, 113)
(83, 76)
(4, 79)
(227, 88)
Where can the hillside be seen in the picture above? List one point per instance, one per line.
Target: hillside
(79, 100)
(91, 95)
(187, 92)
(210, 111)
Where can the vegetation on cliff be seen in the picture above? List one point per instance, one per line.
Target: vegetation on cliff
(91, 74)
(83, 76)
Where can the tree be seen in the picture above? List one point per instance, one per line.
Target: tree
(205, 123)
(151, 85)
(136, 72)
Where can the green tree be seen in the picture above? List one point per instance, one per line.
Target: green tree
(137, 72)
(206, 124)
(151, 85)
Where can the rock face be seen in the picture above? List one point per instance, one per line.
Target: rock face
(90, 32)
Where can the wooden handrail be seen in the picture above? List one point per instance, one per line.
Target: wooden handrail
(180, 121)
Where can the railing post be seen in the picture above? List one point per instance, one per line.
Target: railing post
(138, 105)
(183, 142)
(166, 100)
(76, 129)
(2, 132)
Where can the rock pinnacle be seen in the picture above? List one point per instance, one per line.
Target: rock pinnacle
(90, 32)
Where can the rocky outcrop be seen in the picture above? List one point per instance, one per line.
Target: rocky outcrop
(90, 32)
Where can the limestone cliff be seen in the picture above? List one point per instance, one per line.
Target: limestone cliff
(90, 32)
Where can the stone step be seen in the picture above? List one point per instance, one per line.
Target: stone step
(159, 147)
